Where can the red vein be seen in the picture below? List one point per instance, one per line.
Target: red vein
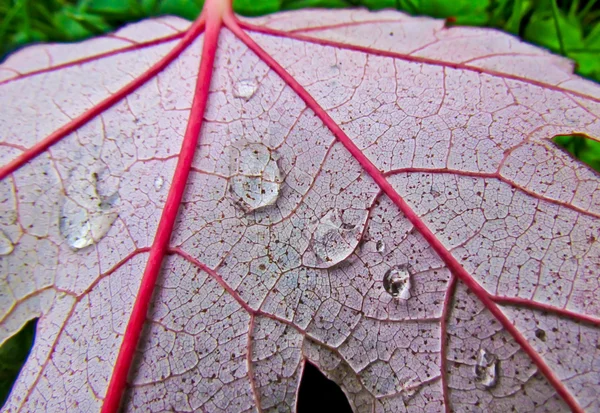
(76, 62)
(444, 342)
(96, 110)
(535, 305)
(342, 25)
(218, 279)
(249, 364)
(63, 326)
(411, 58)
(429, 236)
(499, 177)
(169, 214)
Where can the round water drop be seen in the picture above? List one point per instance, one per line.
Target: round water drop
(380, 246)
(335, 238)
(158, 183)
(6, 245)
(245, 88)
(486, 369)
(396, 282)
(255, 176)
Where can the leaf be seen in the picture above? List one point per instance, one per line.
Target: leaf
(196, 211)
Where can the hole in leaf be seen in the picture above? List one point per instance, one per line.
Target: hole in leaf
(581, 147)
(13, 354)
(319, 394)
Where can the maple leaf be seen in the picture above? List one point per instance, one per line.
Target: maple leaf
(194, 211)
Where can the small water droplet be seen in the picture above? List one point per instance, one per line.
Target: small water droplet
(380, 246)
(396, 282)
(486, 369)
(6, 245)
(245, 88)
(335, 237)
(255, 176)
(158, 183)
(86, 217)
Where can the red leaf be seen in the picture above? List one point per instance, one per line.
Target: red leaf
(372, 192)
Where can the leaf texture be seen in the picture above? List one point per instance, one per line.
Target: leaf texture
(195, 211)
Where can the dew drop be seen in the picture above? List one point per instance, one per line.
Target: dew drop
(380, 246)
(6, 245)
(255, 176)
(486, 369)
(335, 237)
(396, 282)
(86, 216)
(158, 183)
(245, 88)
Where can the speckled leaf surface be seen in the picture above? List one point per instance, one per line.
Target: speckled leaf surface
(196, 210)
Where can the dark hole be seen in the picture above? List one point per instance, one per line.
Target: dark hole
(13, 354)
(581, 147)
(319, 394)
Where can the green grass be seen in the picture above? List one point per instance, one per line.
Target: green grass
(571, 28)
(568, 27)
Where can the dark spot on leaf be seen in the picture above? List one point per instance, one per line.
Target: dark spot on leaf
(540, 334)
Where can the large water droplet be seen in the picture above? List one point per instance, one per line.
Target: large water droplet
(335, 237)
(86, 217)
(158, 183)
(255, 176)
(6, 245)
(486, 369)
(245, 88)
(396, 282)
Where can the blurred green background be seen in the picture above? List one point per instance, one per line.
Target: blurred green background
(567, 27)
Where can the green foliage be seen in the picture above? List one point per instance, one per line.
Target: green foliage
(581, 147)
(13, 354)
(568, 27)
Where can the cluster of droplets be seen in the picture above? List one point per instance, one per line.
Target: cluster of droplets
(255, 176)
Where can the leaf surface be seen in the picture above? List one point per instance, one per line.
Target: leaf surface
(193, 212)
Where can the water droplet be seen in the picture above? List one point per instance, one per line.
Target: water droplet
(255, 176)
(486, 369)
(86, 217)
(396, 282)
(245, 88)
(158, 183)
(6, 245)
(380, 246)
(335, 237)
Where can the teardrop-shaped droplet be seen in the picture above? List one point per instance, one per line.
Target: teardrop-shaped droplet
(335, 238)
(6, 245)
(486, 369)
(158, 183)
(396, 282)
(380, 246)
(255, 176)
(86, 217)
(245, 88)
